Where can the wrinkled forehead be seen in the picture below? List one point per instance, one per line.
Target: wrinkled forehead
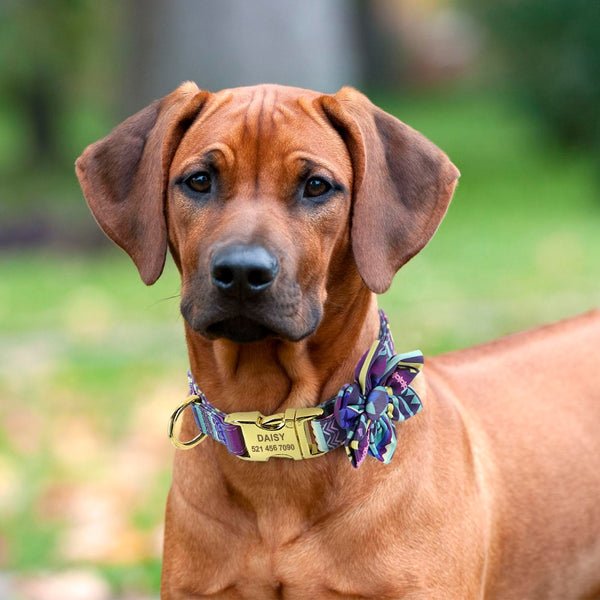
(263, 123)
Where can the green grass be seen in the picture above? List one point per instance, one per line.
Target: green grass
(519, 246)
(85, 346)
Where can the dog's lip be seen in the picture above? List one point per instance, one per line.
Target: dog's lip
(243, 329)
(239, 329)
(248, 324)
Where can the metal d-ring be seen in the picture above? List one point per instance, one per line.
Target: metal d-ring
(174, 418)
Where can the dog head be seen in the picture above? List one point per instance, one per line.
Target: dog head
(271, 199)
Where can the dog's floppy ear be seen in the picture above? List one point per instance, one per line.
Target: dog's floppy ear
(124, 175)
(403, 184)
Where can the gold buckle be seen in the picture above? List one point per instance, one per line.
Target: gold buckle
(283, 435)
(174, 418)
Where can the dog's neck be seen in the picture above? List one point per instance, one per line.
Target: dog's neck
(280, 496)
(273, 375)
(268, 377)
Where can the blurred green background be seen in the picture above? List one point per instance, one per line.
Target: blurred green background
(92, 362)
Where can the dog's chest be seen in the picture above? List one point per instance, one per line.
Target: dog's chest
(310, 567)
(329, 559)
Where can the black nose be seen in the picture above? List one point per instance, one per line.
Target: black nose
(241, 270)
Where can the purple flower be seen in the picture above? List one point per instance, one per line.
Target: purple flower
(367, 408)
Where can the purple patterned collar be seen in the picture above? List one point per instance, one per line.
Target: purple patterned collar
(360, 417)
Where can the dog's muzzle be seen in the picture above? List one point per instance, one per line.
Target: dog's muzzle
(244, 294)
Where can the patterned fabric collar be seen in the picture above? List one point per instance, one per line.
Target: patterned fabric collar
(360, 417)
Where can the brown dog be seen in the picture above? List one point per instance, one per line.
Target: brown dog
(285, 210)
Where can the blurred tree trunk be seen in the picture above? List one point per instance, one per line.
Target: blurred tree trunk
(381, 47)
(40, 104)
(228, 43)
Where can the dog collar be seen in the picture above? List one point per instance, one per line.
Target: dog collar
(360, 417)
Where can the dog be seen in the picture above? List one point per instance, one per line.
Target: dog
(286, 211)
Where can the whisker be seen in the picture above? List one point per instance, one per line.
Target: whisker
(335, 304)
(303, 319)
(166, 299)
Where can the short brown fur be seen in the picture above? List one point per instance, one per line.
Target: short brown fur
(494, 489)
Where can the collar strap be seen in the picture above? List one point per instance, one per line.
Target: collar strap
(360, 417)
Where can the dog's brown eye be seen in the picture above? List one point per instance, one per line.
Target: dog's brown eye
(316, 186)
(199, 182)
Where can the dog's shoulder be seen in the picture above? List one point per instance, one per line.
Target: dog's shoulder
(538, 365)
(551, 340)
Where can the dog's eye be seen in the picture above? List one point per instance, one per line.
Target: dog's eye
(199, 182)
(316, 186)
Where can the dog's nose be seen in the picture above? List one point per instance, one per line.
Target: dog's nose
(241, 270)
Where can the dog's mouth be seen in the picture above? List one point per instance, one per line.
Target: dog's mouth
(241, 330)
(244, 330)
(281, 317)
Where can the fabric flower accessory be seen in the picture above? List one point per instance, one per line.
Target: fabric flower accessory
(379, 396)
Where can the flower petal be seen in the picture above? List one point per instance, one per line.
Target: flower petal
(347, 406)
(377, 402)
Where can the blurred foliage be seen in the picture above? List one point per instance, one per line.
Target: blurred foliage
(552, 49)
(58, 67)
